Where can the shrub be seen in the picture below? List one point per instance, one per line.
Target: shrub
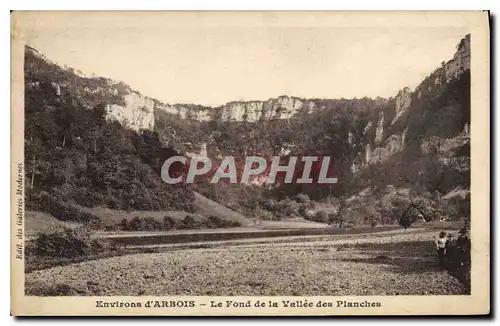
(321, 217)
(269, 204)
(87, 197)
(168, 223)
(136, 224)
(306, 211)
(112, 203)
(52, 290)
(221, 223)
(66, 212)
(278, 209)
(284, 208)
(193, 221)
(151, 224)
(66, 243)
(302, 198)
(123, 225)
(409, 216)
(336, 220)
(142, 224)
(303, 211)
(264, 214)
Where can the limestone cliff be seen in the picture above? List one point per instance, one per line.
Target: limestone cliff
(136, 113)
(408, 106)
(386, 131)
(282, 107)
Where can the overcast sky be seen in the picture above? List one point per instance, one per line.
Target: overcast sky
(207, 63)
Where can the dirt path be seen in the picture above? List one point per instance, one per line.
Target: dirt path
(295, 240)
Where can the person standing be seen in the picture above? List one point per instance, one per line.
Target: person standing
(441, 242)
(463, 246)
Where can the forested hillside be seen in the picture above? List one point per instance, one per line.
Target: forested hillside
(94, 142)
(75, 154)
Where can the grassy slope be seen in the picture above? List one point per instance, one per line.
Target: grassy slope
(208, 207)
(36, 222)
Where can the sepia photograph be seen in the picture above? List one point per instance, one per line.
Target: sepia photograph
(321, 158)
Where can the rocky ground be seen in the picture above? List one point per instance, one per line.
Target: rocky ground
(391, 264)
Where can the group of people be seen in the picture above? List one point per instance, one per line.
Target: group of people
(454, 254)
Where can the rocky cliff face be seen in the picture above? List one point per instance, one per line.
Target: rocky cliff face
(403, 103)
(391, 138)
(390, 126)
(122, 103)
(282, 107)
(461, 60)
(136, 113)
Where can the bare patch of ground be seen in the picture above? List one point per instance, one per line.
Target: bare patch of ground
(395, 264)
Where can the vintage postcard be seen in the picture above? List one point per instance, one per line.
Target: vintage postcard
(250, 163)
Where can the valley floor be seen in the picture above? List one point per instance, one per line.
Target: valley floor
(389, 263)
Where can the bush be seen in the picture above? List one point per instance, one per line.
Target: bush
(87, 197)
(269, 204)
(193, 222)
(168, 223)
(52, 290)
(279, 209)
(302, 198)
(65, 212)
(409, 216)
(321, 217)
(123, 225)
(151, 224)
(142, 224)
(264, 214)
(336, 220)
(218, 222)
(136, 224)
(112, 203)
(66, 243)
(285, 208)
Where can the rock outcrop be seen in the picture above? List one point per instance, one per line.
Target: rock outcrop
(282, 107)
(389, 140)
(136, 113)
(403, 102)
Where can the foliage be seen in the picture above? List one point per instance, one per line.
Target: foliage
(65, 243)
(320, 217)
(75, 154)
(409, 216)
(64, 211)
(41, 289)
(167, 223)
(302, 198)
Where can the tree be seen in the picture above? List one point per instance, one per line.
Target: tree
(409, 216)
(405, 221)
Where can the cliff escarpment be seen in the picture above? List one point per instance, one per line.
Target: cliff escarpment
(417, 139)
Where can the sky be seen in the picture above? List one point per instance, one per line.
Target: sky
(211, 62)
